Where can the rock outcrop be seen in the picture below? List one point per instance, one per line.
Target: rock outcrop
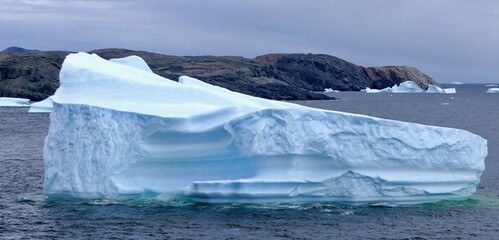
(316, 72)
(382, 77)
(35, 75)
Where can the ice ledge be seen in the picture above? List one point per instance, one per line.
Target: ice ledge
(348, 188)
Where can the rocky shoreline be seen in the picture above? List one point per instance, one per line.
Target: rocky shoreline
(35, 74)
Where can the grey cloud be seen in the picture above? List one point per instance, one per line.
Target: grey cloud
(451, 40)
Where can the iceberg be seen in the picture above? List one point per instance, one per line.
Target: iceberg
(118, 131)
(14, 102)
(405, 87)
(493, 90)
(450, 90)
(410, 87)
(42, 106)
(436, 89)
(328, 90)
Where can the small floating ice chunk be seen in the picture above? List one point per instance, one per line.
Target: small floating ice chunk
(493, 90)
(330, 90)
(450, 90)
(14, 102)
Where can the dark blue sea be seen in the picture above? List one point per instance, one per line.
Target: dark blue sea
(25, 213)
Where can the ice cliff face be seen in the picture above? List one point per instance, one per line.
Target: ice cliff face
(118, 130)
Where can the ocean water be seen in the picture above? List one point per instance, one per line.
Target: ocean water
(25, 213)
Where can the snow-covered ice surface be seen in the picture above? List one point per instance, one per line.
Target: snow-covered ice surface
(13, 102)
(121, 131)
(132, 61)
(42, 106)
(493, 90)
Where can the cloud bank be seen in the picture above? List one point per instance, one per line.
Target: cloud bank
(451, 40)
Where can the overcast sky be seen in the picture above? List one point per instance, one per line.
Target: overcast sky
(450, 40)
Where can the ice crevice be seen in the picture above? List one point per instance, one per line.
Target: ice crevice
(119, 130)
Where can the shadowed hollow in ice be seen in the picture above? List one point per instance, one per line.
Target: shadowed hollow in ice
(119, 130)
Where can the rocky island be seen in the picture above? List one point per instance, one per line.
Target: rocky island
(35, 74)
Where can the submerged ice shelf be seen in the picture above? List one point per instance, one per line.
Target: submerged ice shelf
(118, 130)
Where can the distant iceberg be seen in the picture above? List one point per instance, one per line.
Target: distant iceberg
(14, 102)
(410, 87)
(493, 90)
(120, 131)
(405, 87)
(450, 90)
(457, 83)
(435, 89)
(330, 90)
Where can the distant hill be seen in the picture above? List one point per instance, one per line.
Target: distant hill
(35, 75)
(15, 49)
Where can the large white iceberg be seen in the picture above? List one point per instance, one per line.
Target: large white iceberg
(14, 102)
(121, 131)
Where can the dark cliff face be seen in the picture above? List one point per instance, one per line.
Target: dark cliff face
(315, 72)
(382, 77)
(318, 71)
(35, 75)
